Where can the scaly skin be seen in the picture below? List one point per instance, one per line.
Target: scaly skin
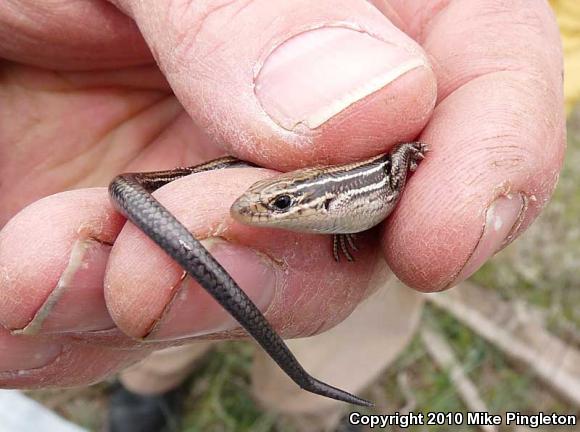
(131, 193)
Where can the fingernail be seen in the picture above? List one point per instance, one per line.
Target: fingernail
(315, 75)
(27, 353)
(500, 219)
(81, 283)
(193, 312)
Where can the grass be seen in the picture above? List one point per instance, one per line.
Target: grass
(220, 399)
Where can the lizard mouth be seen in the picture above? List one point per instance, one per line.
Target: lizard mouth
(246, 210)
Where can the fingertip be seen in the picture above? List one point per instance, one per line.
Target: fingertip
(192, 312)
(47, 270)
(343, 84)
(21, 353)
(393, 114)
(30, 362)
(492, 168)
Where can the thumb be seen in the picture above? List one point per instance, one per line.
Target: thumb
(283, 83)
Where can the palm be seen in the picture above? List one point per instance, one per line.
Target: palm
(64, 131)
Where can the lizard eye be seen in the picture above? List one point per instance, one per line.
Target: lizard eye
(281, 202)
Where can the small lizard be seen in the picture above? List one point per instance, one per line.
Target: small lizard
(341, 200)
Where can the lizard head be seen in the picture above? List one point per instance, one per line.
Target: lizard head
(290, 201)
(337, 199)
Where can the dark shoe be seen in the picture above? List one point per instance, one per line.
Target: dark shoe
(347, 426)
(131, 412)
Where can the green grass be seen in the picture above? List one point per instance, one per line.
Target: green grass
(220, 398)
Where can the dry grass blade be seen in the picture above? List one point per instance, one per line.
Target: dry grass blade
(443, 355)
(519, 337)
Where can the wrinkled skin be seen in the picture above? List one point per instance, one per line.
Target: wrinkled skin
(480, 81)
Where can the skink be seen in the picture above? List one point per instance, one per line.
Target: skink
(339, 200)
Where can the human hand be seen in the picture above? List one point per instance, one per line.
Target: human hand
(283, 84)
